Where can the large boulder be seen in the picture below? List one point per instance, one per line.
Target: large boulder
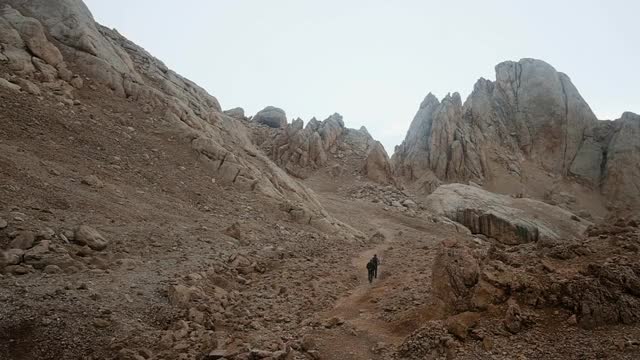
(455, 273)
(86, 235)
(271, 116)
(507, 219)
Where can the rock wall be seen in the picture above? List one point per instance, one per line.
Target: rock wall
(532, 114)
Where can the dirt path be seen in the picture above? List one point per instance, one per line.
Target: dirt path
(364, 332)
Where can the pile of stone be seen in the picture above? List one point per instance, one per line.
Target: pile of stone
(65, 251)
(391, 197)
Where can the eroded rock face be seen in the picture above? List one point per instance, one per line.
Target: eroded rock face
(509, 220)
(531, 114)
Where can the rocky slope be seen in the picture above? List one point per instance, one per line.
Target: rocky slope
(56, 46)
(527, 131)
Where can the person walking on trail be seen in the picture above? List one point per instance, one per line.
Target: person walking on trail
(370, 270)
(376, 262)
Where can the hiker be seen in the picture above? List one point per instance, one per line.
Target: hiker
(375, 262)
(370, 270)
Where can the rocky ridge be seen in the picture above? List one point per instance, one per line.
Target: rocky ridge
(528, 129)
(302, 150)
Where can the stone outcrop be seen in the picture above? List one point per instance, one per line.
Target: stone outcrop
(621, 182)
(377, 164)
(530, 117)
(509, 220)
(301, 150)
(236, 113)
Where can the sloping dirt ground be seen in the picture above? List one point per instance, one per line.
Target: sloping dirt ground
(377, 318)
(164, 218)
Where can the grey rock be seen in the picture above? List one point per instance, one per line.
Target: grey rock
(509, 220)
(86, 235)
(532, 116)
(271, 116)
(236, 113)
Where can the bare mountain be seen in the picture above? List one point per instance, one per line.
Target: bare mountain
(528, 132)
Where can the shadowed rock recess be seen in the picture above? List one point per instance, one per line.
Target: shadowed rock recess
(139, 221)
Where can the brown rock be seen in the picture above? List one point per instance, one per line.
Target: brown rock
(86, 235)
(460, 324)
(93, 181)
(24, 240)
(308, 343)
(455, 272)
(234, 231)
(377, 165)
(513, 318)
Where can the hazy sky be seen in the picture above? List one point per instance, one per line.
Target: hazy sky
(373, 61)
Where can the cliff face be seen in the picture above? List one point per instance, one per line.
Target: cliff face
(531, 119)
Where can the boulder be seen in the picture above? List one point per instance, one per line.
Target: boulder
(9, 85)
(271, 116)
(455, 273)
(86, 235)
(13, 256)
(236, 113)
(509, 220)
(460, 324)
(234, 231)
(28, 87)
(93, 181)
(181, 296)
(513, 318)
(377, 164)
(24, 240)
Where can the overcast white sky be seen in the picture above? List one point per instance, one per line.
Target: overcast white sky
(373, 61)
